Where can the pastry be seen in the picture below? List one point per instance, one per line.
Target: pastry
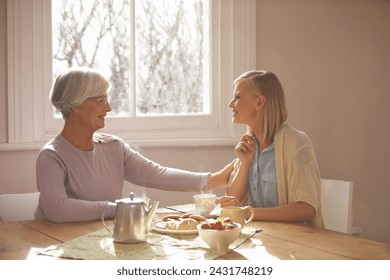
(198, 218)
(172, 225)
(187, 224)
(171, 217)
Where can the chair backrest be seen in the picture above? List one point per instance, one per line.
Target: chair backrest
(18, 207)
(336, 205)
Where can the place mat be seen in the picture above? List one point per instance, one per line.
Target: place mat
(99, 245)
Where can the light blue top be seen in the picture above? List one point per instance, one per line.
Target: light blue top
(263, 185)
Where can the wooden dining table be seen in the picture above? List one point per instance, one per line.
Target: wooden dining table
(288, 241)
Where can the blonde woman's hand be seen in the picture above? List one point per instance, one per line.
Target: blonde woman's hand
(245, 149)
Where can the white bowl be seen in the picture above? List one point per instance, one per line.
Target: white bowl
(219, 240)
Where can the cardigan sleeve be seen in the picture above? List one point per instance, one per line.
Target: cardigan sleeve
(305, 181)
(297, 170)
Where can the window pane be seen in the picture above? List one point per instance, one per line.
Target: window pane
(171, 51)
(172, 56)
(95, 34)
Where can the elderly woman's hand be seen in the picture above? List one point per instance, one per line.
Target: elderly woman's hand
(221, 177)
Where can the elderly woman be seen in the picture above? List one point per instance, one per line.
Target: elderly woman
(276, 169)
(80, 171)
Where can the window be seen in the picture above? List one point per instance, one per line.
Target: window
(153, 105)
(162, 46)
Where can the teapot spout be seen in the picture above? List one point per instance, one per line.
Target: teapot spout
(150, 212)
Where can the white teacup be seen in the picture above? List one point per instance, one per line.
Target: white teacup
(204, 203)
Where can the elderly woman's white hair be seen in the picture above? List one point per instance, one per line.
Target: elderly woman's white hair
(76, 85)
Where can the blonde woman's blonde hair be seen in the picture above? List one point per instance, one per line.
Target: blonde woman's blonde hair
(275, 110)
(76, 85)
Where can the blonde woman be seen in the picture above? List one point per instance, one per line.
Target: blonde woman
(276, 170)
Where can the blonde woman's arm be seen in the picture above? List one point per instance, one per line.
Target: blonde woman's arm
(294, 212)
(238, 185)
(245, 150)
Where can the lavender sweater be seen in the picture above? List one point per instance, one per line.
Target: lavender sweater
(75, 185)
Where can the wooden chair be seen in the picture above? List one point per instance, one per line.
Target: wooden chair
(18, 207)
(336, 205)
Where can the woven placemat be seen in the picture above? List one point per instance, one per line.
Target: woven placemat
(99, 245)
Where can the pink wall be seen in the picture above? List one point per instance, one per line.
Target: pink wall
(333, 60)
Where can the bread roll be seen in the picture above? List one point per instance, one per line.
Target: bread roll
(198, 218)
(186, 215)
(172, 225)
(171, 217)
(187, 224)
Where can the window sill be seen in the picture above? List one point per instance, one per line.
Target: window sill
(155, 143)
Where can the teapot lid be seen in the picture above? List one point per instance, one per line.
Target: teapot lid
(131, 200)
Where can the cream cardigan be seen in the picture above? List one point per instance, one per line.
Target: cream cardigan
(296, 169)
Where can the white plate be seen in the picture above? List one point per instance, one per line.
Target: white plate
(212, 214)
(190, 208)
(156, 226)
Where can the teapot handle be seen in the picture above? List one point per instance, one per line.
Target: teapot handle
(104, 210)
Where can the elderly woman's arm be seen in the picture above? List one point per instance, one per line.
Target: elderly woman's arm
(145, 172)
(54, 203)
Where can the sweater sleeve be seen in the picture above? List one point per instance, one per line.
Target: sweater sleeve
(54, 203)
(297, 170)
(305, 182)
(144, 172)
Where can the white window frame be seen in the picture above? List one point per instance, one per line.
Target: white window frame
(30, 79)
